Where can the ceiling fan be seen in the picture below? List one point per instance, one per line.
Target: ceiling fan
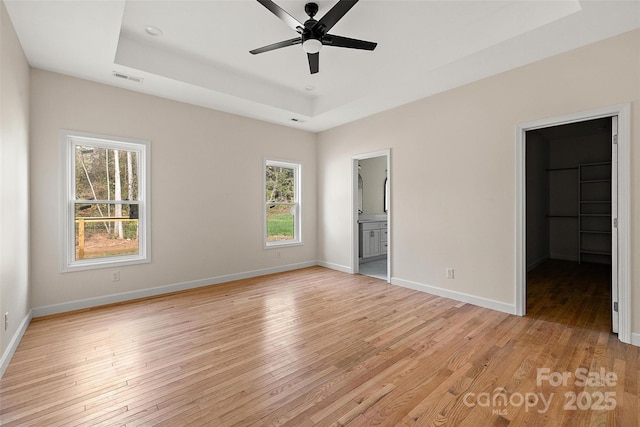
(314, 34)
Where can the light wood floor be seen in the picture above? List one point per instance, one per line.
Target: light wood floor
(312, 347)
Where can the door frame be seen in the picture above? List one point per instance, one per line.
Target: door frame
(355, 265)
(623, 112)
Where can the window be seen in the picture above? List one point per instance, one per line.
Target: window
(282, 203)
(105, 202)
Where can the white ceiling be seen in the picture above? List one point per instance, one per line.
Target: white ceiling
(202, 57)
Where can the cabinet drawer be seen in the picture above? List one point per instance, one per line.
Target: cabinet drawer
(370, 226)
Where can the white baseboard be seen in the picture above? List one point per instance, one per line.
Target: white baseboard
(457, 296)
(338, 267)
(13, 344)
(150, 292)
(635, 339)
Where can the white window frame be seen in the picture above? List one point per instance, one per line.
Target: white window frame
(68, 142)
(297, 205)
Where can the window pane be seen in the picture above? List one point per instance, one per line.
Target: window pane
(105, 230)
(280, 223)
(105, 174)
(282, 208)
(280, 184)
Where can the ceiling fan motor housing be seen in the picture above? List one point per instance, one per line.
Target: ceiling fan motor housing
(311, 9)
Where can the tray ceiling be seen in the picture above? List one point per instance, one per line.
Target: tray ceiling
(202, 56)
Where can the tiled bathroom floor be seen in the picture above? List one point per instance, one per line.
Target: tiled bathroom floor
(377, 269)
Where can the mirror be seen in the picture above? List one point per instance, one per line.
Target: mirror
(372, 186)
(386, 194)
(360, 190)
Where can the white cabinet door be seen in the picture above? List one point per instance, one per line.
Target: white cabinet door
(370, 243)
(383, 241)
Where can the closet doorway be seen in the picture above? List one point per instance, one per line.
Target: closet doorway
(572, 219)
(570, 233)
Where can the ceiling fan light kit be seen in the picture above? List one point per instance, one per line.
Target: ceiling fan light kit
(311, 45)
(314, 34)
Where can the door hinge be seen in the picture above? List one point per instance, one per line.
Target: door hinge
(615, 222)
(615, 139)
(615, 306)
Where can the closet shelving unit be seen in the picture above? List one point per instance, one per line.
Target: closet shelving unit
(562, 211)
(594, 211)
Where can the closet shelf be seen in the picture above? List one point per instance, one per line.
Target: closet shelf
(595, 164)
(590, 252)
(593, 181)
(562, 169)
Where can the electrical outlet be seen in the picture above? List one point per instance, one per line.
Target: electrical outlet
(115, 276)
(6, 321)
(449, 273)
(278, 254)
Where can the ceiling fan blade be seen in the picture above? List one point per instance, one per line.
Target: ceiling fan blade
(283, 15)
(334, 15)
(314, 62)
(339, 41)
(275, 46)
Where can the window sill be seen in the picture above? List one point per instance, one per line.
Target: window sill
(273, 245)
(102, 263)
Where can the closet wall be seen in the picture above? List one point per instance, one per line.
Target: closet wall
(556, 198)
(537, 199)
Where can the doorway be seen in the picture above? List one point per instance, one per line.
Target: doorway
(569, 210)
(596, 230)
(371, 214)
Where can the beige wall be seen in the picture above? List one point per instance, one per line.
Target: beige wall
(206, 187)
(14, 182)
(453, 168)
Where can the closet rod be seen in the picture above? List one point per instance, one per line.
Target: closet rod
(561, 169)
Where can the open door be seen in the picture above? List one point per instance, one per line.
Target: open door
(615, 324)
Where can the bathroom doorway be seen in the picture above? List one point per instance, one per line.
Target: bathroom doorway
(371, 215)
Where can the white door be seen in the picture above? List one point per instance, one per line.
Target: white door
(614, 224)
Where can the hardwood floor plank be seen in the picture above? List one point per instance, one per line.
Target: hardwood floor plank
(316, 347)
